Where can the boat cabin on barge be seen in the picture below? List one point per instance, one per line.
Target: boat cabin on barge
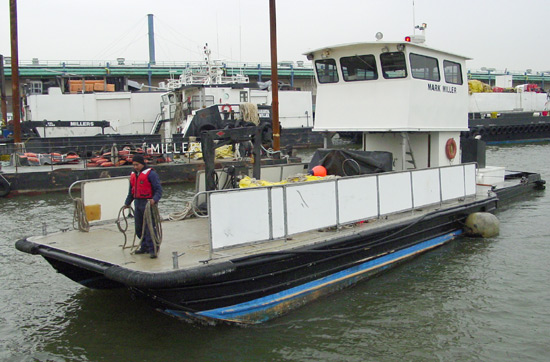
(406, 98)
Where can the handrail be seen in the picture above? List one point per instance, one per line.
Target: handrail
(91, 180)
(195, 207)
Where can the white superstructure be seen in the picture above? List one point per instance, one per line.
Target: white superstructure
(406, 98)
(127, 112)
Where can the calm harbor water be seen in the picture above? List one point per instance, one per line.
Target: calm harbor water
(471, 300)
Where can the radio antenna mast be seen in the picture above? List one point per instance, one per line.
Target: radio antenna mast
(414, 20)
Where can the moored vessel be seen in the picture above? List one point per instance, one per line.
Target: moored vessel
(404, 193)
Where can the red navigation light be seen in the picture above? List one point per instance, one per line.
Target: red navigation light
(408, 39)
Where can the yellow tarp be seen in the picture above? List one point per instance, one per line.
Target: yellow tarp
(252, 182)
(476, 86)
(222, 152)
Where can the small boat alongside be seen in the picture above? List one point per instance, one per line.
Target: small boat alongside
(251, 254)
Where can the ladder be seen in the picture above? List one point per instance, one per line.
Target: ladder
(408, 155)
(156, 125)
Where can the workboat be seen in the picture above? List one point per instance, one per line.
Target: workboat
(205, 99)
(87, 114)
(251, 254)
(506, 114)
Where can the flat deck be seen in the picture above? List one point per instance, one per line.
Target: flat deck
(191, 237)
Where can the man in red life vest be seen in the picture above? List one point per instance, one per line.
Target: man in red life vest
(144, 188)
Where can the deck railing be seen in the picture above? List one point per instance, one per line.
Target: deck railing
(277, 212)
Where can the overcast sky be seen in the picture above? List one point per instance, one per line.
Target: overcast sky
(501, 34)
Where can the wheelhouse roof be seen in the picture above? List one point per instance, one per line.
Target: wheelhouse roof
(380, 43)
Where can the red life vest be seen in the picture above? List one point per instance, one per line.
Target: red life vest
(141, 189)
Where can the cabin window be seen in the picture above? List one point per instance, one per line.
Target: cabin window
(359, 67)
(243, 96)
(326, 70)
(453, 72)
(393, 65)
(198, 102)
(423, 67)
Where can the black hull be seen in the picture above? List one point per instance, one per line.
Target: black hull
(209, 292)
(527, 183)
(256, 288)
(509, 128)
(88, 146)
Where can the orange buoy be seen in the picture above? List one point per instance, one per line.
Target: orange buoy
(107, 164)
(319, 171)
(450, 148)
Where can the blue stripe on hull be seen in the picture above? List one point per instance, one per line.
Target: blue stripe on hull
(262, 309)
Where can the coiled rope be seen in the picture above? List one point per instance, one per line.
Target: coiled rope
(124, 219)
(79, 216)
(182, 215)
(151, 222)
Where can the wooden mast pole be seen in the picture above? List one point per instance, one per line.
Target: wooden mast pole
(4, 103)
(15, 74)
(274, 77)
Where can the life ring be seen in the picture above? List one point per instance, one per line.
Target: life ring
(228, 106)
(450, 149)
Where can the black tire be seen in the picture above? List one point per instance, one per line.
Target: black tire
(5, 187)
(267, 134)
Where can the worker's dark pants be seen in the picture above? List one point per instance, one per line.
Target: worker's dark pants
(139, 209)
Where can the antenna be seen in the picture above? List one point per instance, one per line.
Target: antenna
(414, 20)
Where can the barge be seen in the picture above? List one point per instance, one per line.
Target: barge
(404, 193)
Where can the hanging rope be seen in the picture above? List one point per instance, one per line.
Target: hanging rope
(124, 220)
(80, 217)
(151, 220)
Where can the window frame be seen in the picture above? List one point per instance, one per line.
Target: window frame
(384, 66)
(326, 61)
(459, 72)
(359, 57)
(425, 68)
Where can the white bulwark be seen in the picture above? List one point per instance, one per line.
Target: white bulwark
(406, 98)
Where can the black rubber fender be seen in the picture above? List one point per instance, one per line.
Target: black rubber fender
(5, 187)
(27, 247)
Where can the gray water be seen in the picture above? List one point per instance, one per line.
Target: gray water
(471, 300)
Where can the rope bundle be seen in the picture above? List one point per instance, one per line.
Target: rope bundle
(80, 217)
(151, 221)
